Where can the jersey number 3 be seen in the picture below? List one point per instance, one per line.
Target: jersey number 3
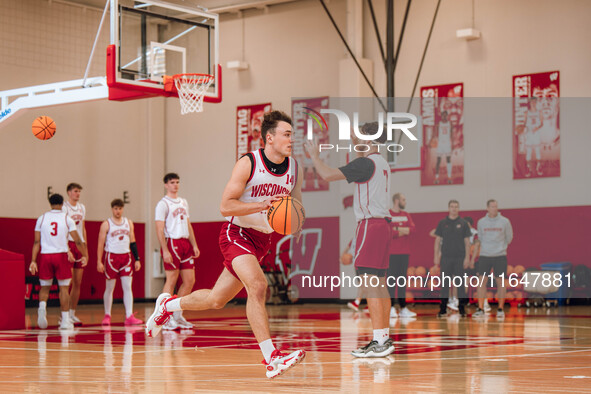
(53, 228)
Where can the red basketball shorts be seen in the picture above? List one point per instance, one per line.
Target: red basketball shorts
(237, 241)
(372, 242)
(54, 265)
(76, 253)
(182, 254)
(117, 264)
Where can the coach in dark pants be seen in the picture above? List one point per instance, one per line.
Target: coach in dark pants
(452, 246)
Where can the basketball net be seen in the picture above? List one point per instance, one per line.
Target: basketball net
(191, 89)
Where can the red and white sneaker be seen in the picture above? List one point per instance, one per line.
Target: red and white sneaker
(132, 320)
(160, 315)
(281, 362)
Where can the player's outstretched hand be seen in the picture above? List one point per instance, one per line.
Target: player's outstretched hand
(33, 268)
(312, 148)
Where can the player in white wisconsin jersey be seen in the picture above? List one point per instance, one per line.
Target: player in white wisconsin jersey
(77, 212)
(117, 239)
(370, 172)
(258, 179)
(444, 146)
(177, 244)
(51, 242)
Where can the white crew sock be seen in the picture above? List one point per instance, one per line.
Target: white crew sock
(72, 312)
(381, 335)
(43, 305)
(267, 348)
(65, 316)
(174, 306)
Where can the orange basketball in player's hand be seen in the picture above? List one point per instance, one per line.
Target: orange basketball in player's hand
(286, 216)
(346, 259)
(43, 127)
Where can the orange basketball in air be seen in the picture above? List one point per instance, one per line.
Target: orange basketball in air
(286, 216)
(43, 127)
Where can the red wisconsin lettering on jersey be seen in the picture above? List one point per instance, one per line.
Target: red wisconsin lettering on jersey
(119, 232)
(179, 211)
(268, 189)
(77, 218)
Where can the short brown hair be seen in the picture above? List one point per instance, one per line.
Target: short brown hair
(396, 196)
(453, 202)
(117, 203)
(270, 122)
(73, 185)
(372, 128)
(490, 201)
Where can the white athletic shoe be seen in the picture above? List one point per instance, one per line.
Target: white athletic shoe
(373, 349)
(487, 307)
(353, 305)
(42, 318)
(183, 323)
(159, 317)
(393, 313)
(66, 325)
(405, 312)
(75, 320)
(453, 304)
(280, 362)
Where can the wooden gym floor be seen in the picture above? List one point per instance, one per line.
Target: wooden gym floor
(532, 350)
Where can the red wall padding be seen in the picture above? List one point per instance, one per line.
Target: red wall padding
(540, 235)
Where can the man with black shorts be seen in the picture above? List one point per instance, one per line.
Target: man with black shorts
(370, 172)
(259, 178)
(452, 254)
(495, 234)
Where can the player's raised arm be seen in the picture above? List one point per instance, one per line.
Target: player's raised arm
(231, 204)
(324, 171)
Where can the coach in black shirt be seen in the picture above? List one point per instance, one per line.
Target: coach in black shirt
(452, 247)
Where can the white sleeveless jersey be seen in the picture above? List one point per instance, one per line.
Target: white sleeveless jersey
(372, 198)
(78, 215)
(54, 227)
(118, 237)
(175, 215)
(262, 185)
(444, 131)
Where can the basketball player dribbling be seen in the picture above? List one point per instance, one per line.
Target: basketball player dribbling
(77, 212)
(51, 243)
(371, 203)
(117, 239)
(259, 178)
(177, 245)
(444, 146)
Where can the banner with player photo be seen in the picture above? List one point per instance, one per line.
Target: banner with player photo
(442, 113)
(303, 112)
(536, 125)
(249, 119)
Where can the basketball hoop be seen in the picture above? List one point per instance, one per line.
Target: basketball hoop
(191, 89)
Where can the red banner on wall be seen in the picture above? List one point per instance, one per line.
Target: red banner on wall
(442, 110)
(249, 119)
(304, 111)
(536, 125)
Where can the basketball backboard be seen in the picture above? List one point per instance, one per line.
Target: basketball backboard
(153, 38)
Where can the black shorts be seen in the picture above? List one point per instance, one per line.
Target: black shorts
(498, 265)
(380, 273)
